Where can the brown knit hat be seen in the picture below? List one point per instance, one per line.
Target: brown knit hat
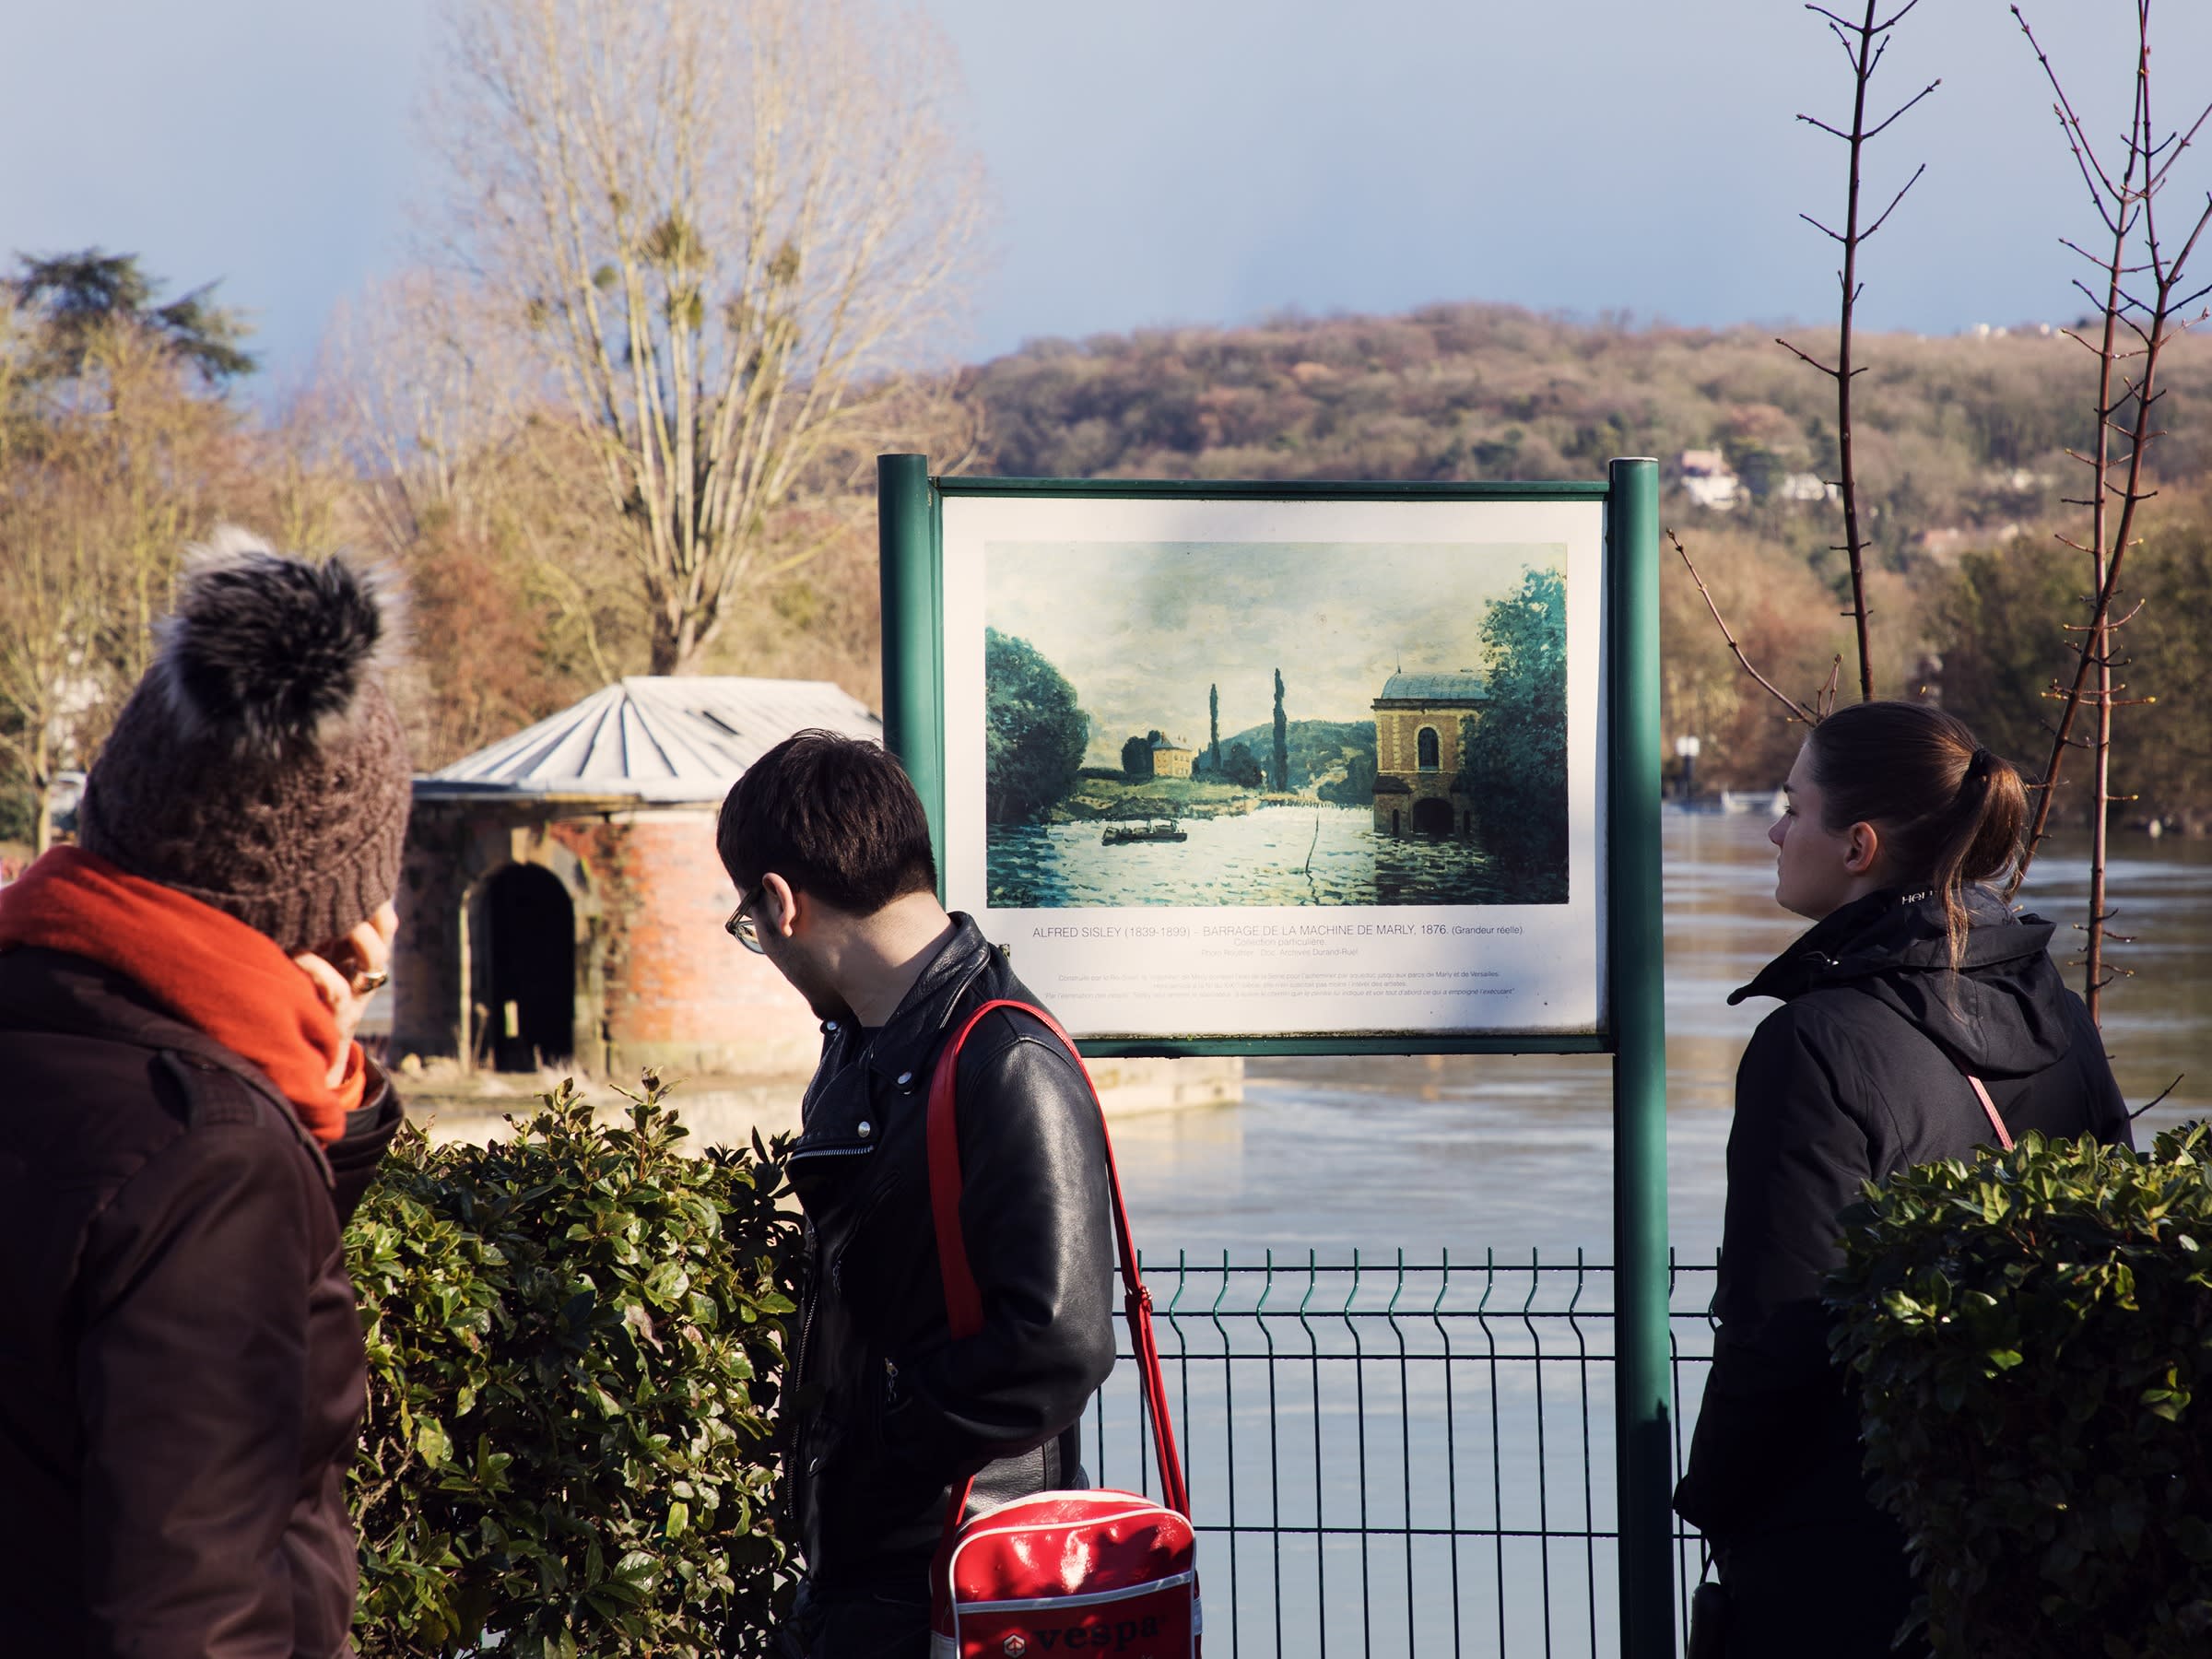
(258, 766)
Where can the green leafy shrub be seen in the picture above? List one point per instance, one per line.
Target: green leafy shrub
(574, 1339)
(2033, 1335)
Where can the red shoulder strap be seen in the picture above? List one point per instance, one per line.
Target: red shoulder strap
(963, 1301)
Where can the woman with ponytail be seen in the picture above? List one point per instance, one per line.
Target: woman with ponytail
(1920, 1020)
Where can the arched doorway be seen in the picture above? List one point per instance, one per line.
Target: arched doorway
(1433, 818)
(528, 978)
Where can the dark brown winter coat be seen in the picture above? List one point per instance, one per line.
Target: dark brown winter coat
(181, 1364)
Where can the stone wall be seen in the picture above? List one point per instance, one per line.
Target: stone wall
(1397, 760)
(657, 981)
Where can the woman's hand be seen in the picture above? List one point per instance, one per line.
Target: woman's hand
(347, 972)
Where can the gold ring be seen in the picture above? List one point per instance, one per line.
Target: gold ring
(377, 980)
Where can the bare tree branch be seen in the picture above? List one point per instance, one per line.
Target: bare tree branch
(1895, 199)
(2128, 206)
(1864, 42)
(1797, 711)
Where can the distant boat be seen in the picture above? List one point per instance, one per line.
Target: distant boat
(1153, 830)
(1756, 800)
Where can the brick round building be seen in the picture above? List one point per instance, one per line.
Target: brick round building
(561, 901)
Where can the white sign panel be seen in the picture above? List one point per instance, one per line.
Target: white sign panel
(1236, 768)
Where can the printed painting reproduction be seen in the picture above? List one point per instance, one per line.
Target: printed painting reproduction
(1249, 767)
(1275, 724)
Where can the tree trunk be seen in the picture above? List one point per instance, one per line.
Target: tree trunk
(41, 794)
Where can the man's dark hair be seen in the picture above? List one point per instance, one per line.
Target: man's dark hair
(835, 817)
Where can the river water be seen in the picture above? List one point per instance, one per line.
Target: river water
(1385, 1318)
(1515, 1151)
(1303, 854)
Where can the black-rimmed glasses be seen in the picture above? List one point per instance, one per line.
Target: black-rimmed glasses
(743, 927)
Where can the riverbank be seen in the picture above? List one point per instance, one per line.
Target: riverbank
(455, 1105)
(1099, 798)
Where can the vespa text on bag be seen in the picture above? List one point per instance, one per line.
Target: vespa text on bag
(1082, 1572)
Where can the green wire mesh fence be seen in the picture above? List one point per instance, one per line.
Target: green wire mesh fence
(1390, 1457)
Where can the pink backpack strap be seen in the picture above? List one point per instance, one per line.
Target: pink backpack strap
(1989, 1108)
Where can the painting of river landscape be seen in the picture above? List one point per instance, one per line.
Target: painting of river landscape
(1205, 723)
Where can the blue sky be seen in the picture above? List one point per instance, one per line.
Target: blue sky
(1182, 160)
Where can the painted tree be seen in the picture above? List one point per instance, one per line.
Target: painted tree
(1034, 731)
(1282, 740)
(1213, 725)
(1513, 758)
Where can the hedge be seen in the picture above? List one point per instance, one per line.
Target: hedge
(2032, 1334)
(574, 1339)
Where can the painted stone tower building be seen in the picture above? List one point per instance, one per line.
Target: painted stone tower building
(1421, 725)
(561, 901)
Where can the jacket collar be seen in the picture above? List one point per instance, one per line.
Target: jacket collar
(1890, 931)
(908, 1040)
(2003, 1014)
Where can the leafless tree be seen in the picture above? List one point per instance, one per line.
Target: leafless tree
(1864, 43)
(108, 467)
(422, 388)
(2143, 301)
(721, 224)
(54, 627)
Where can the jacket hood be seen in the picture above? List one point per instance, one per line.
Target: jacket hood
(2002, 1014)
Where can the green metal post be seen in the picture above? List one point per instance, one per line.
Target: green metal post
(913, 685)
(1643, 1408)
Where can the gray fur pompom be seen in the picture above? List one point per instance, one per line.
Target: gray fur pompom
(266, 653)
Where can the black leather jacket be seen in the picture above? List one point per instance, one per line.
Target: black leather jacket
(886, 1408)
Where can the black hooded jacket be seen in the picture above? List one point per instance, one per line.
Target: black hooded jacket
(1861, 1073)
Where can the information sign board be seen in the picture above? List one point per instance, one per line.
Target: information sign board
(1266, 768)
(1242, 768)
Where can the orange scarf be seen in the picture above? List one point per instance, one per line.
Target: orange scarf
(211, 971)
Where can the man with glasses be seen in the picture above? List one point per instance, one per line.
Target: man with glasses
(828, 848)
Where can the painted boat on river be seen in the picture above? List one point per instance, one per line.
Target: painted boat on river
(1154, 829)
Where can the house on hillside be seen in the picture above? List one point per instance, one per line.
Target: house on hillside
(561, 900)
(1805, 487)
(1708, 479)
(1421, 721)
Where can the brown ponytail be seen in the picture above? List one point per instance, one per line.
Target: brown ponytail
(1949, 812)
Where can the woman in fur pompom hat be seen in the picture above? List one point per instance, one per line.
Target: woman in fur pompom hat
(185, 1124)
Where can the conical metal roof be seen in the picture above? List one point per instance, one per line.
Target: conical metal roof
(669, 740)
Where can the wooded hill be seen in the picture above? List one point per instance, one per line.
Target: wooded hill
(1961, 444)
(1962, 433)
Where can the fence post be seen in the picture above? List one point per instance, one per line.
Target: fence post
(914, 689)
(1643, 1404)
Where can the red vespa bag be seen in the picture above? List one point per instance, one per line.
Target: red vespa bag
(1078, 1572)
